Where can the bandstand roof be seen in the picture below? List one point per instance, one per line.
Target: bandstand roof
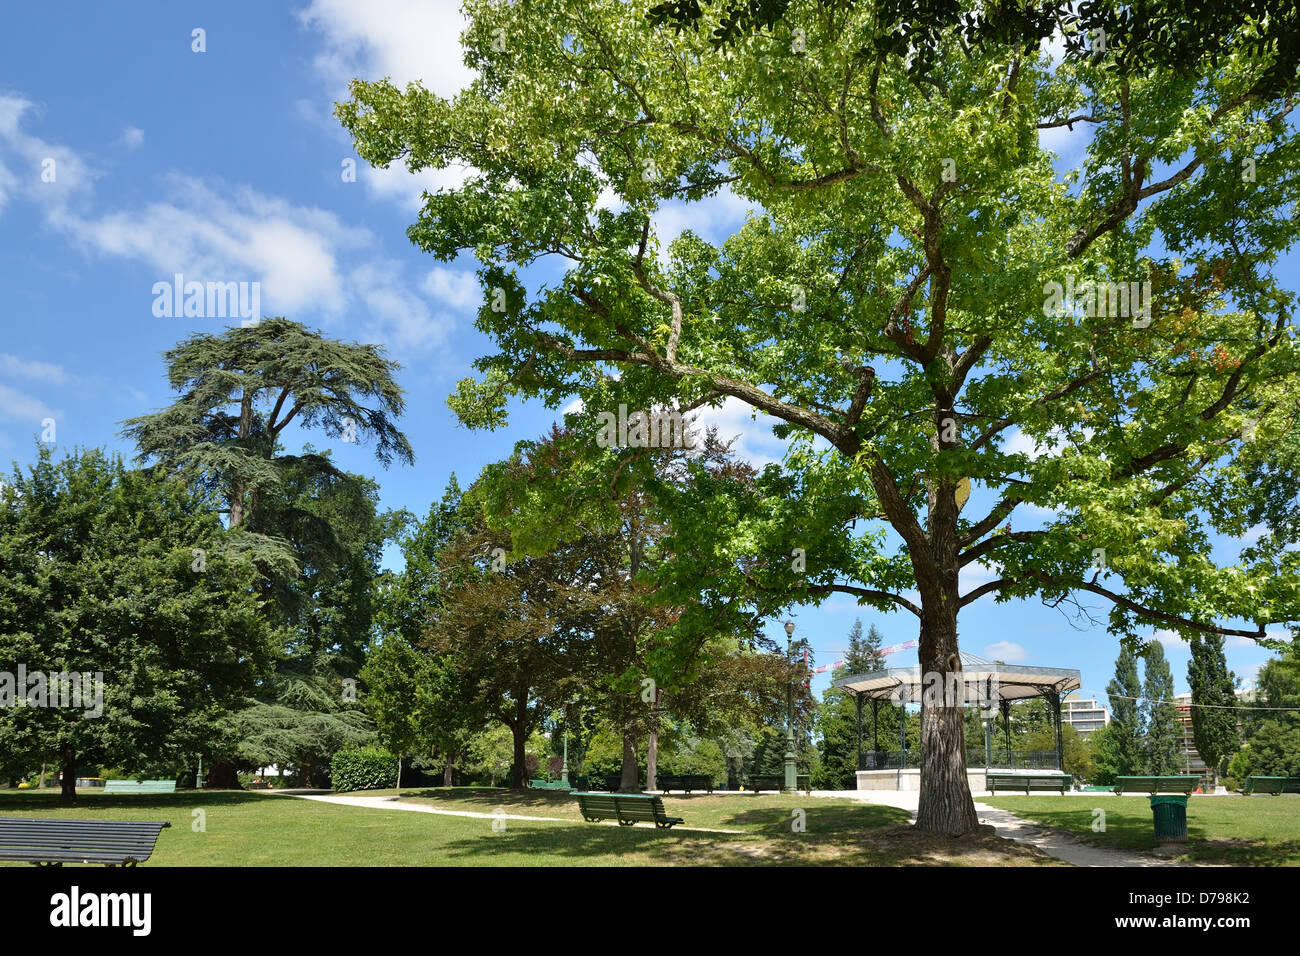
(1001, 681)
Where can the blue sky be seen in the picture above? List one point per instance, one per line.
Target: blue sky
(227, 165)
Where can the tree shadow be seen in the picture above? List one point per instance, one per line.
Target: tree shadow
(90, 804)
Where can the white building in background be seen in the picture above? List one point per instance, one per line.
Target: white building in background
(1084, 714)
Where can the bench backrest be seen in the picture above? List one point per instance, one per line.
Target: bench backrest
(78, 841)
(1170, 784)
(626, 805)
(140, 786)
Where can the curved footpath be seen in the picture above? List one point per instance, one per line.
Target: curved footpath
(1051, 841)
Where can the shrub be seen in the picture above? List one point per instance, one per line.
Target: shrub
(363, 768)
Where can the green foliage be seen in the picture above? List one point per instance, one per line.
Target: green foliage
(1273, 750)
(1160, 714)
(363, 768)
(694, 755)
(1214, 705)
(1121, 752)
(604, 756)
(241, 389)
(1176, 33)
(1278, 685)
(313, 531)
(128, 574)
(1076, 751)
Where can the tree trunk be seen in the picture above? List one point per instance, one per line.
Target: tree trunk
(652, 747)
(628, 782)
(237, 489)
(223, 776)
(519, 730)
(446, 773)
(40, 784)
(945, 805)
(68, 793)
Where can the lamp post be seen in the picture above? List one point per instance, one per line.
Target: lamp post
(564, 768)
(791, 781)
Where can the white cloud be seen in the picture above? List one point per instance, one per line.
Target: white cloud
(454, 288)
(31, 168)
(11, 366)
(229, 236)
(405, 40)
(1008, 651)
(396, 314)
(21, 408)
(752, 431)
(399, 185)
(304, 258)
(132, 137)
(1170, 639)
(973, 575)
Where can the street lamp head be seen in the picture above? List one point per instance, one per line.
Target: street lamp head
(789, 628)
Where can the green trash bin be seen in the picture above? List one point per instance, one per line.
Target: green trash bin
(1170, 813)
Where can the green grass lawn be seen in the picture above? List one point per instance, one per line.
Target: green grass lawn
(246, 829)
(1237, 831)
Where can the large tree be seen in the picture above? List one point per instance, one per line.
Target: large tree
(241, 389)
(1160, 713)
(314, 530)
(1120, 748)
(890, 303)
(1214, 702)
(124, 574)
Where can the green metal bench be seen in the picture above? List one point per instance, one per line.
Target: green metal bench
(1273, 785)
(627, 808)
(685, 782)
(548, 784)
(140, 786)
(759, 782)
(1183, 783)
(1028, 781)
(55, 842)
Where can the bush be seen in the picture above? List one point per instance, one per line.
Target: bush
(363, 768)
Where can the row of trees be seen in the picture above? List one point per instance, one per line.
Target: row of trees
(533, 617)
(1257, 735)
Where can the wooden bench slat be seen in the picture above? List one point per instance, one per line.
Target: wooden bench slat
(111, 842)
(626, 808)
(1172, 783)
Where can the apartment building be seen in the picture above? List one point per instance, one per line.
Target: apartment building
(1084, 714)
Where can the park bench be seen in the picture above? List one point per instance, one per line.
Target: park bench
(55, 842)
(1182, 783)
(776, 781)
(627, 808)
(1273, 785)
(1028, 781)
(538, 784)
(140, 786)
(685, 782)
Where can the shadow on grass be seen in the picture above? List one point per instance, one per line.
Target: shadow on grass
(888, 845)
(25, 801)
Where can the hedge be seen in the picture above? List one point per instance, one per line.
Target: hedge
(364, 768)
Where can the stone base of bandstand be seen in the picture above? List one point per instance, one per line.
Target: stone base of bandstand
(911, 779)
